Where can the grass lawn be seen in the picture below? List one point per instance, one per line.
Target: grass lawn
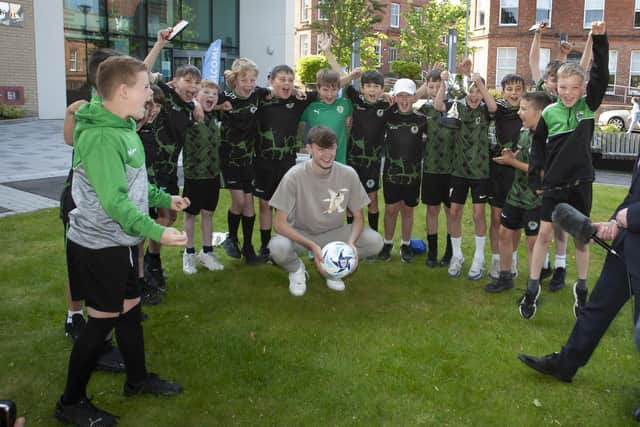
(403, 345)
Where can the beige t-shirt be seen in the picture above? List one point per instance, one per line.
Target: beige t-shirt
(315, 203)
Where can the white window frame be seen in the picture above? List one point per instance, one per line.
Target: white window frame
(321, 17)
(636, 12)
(73, 59)
(305, 44)
(517, 7)
(613, 68)
(394, 15)
(481, 12)
(587, 3)
(305, 10)
(480, 60)
(636, 54)
(550, 9)
(393, 54)
(511, 55)
(378, 51)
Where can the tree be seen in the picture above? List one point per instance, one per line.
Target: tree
(422, 40)
(308, 66)
(349, 20)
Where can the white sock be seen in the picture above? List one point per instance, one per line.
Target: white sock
(388, 242)
(514, 257)
(456, 246)
(561, 261)
(495, 257)
(70, 314)
(546, 261)
(479, 254)
(405, 242)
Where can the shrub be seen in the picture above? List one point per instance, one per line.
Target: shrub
(308, 66)
(10, 111)
(406, 69)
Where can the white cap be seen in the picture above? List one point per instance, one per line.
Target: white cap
(404, 86)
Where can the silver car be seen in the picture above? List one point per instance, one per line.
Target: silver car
(619, 118)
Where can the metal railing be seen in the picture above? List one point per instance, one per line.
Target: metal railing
(624, 92)
(616, 145)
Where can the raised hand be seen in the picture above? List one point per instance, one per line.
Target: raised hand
(598, 27)
(325, 41)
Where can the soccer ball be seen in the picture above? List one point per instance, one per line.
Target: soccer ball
(338, 259)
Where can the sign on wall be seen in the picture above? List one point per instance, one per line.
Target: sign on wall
(11, 14)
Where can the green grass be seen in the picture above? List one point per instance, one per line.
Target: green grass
(404, 345)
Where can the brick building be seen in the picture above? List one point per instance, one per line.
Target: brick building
(501, 39)
(306, 39)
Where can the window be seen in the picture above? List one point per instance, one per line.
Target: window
(480, 61)
(545, 57)
(393, 54)
(636, 15)
(304, 45)
(634, 78)
(505, 62)
(321, 16)
(73, 59)
(543, 10)
(394, 18)
(418, 11)
(508, 12)
(305, 8)
(593, 11)
(480, 13)
(613, 67)
(378, 52)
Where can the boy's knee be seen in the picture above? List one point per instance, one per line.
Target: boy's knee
(280, 248)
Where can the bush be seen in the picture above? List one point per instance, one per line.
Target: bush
(607, 128)
(10, 111)
(406, 69)
(308, 66)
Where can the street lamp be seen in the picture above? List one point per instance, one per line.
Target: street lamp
(85, 8)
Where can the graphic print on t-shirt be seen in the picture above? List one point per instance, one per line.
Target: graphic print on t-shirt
(336, 199)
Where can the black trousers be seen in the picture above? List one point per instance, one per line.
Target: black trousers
(612, 290)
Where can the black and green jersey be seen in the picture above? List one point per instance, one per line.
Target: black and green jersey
(521, 195)
(508, 125)
(240, 127)
(404, 144)
(471, 152)
(438, 153)
(540, 86)
(173, 121)
(201, 157)
(147, 134)
(278, 121)
(367, 132)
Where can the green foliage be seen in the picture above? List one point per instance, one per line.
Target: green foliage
(421, 40)
(496, 93)
(10, 111)
(349, 20)
(607, 128)
(406, 69)
(308, 66)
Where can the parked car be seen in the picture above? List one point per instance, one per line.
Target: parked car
(619, 118)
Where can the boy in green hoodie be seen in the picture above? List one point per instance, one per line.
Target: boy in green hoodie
(112, 197)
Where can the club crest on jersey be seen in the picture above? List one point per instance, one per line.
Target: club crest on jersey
(414, 129)
(253, 109)
(380, 112)
(477, 121)
(340, 109)
(290, 105)
(580, 115)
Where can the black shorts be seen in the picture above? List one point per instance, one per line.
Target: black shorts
(500, 182)
(268, 174)
(369, 177)
(168, 183)
(580, 197)
(202, 193)
(515, 218)
(436, 188)
(238, 178)
(460, 187)
(103, 278)
(407, 193)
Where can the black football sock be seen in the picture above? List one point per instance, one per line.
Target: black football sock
(131, 343)
(190, 250)
(247, 230)
(233, 221)
(84, 354)
(448, 251)
(265, 237)
(432, 241)
(207, 249)
(153, 259)
(373, 220)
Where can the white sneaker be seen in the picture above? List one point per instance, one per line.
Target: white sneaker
(298, 281)
(494, 269)
(335, 284)
(476, 270)
(189, 263)
(514, 267)
(210, 261)
(455, 266)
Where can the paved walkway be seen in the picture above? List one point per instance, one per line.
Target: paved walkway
(34, 162)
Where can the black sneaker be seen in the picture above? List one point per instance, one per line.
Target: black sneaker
(150, 296)
(557, 280)
(250, 257)
(154, 277)
(385, 253)
(153, 384)
(74, 328)
(544, 273)
(265, 254)
(503, 283)
(580, 292)
(548, 365)
(431, 261)
(406, 253)
(111, 359)
(231, 247)
(84, 413)
(529, 303)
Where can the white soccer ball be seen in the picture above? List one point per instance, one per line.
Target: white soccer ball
(338, 259)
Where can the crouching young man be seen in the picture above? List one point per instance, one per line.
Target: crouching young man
(310, 205)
